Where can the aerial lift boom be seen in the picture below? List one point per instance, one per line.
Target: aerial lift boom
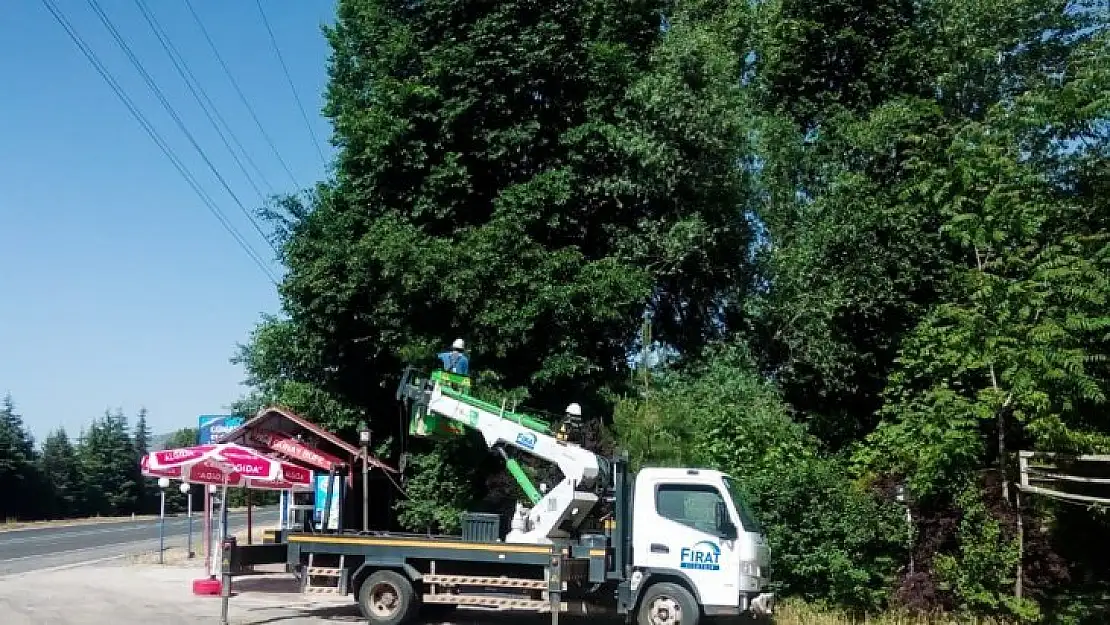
(554, 515)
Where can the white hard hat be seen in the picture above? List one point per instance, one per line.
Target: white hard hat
(575, 410)
(458, 344)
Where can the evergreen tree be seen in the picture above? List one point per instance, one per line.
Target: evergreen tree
(17, 465)
(108, 458)
(141, 437)
(61, 470)
(175, 499)
(141, 442)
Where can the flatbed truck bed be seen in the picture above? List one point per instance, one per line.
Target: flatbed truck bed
(395, 576)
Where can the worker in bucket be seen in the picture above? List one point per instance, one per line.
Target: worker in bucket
(455, 360)
(572, 421)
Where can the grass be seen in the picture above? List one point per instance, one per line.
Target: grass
(798, 613)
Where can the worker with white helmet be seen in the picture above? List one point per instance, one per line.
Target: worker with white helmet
(572, 420)
(455, 360)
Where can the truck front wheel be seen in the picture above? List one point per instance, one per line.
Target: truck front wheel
(386, 598)
(667, 603)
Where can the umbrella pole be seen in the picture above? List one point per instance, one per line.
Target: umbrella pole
(223, 514)
(250, 532)
(208, 531)
(225, 587)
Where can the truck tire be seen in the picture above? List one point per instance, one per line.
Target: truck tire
(667, 603)
(386, 598)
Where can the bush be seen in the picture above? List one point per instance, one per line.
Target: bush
(831, 539)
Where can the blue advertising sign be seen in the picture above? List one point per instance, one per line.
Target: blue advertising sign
(320, 481)
(212, 428)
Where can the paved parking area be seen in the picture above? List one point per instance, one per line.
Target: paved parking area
(129, 591)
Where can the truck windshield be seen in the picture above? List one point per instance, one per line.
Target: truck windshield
(747, 519)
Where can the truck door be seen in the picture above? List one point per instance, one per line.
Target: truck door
(683, 532)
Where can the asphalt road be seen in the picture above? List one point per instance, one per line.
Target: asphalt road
(52, 547)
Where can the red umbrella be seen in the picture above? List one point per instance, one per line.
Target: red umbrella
(208, 472)
(230, 459)
(225, 464)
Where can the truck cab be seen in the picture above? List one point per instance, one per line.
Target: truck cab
(692, 529)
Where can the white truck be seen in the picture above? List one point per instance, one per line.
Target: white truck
(670, 546)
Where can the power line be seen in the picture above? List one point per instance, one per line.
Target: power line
(104, 19)
(198, 91)
(242, 97)
(181, 169)
(285, 69)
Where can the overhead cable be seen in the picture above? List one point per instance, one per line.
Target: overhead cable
(205, 102)
(139, 117)
(285, 70)
(104, 19)
(242, 96)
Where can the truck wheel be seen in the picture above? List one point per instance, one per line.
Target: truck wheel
(666, 603)
(386, 598)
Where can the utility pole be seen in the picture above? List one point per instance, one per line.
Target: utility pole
(364, 441)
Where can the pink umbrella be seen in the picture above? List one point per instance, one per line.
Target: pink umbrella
(225, 464)
(231, 459)
(209, 472)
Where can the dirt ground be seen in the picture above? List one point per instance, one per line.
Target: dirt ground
(139, 590)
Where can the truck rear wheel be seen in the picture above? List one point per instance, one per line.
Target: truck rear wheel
(667, 603)
(386, 598)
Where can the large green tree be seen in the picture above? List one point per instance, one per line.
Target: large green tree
(530, 178)
(533, 178)
(935, 261)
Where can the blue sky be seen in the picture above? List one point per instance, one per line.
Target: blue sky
(118, 287)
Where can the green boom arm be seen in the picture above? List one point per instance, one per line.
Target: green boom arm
(457, 386)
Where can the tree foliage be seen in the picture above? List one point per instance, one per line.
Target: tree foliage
(95, 474)
(17, 457)
(61, 471)
(869, 241)
(831, 538)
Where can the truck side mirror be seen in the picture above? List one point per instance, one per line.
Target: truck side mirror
(725, 527)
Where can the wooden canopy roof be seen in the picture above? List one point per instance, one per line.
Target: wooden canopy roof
(280, 430)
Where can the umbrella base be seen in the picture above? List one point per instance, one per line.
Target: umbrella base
(209, 586)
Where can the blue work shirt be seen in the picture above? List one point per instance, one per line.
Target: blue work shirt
(455, 362)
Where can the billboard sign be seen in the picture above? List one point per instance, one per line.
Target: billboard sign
(212, 428)
(290, 447)
(321, 495)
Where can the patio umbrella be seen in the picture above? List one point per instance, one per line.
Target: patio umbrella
(211, 473)
(225, 464)
(230, 458)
